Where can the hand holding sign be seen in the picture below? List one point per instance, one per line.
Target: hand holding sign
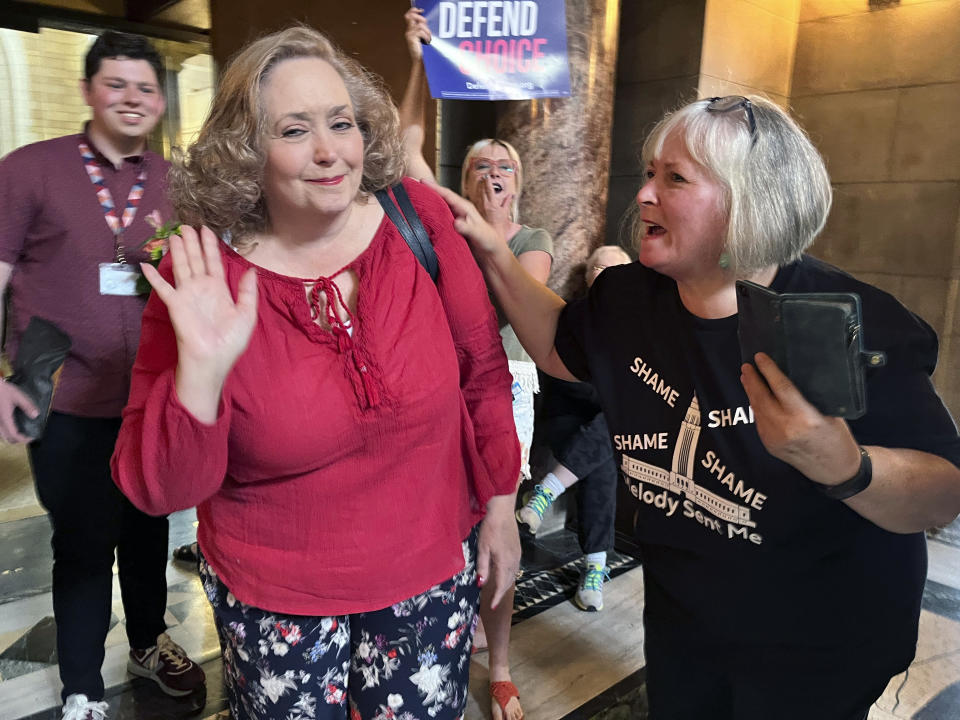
(418, 33)
(496, 50)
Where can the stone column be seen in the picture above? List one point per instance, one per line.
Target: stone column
(565, 143)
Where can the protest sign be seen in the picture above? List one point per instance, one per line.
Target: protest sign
(496, 49)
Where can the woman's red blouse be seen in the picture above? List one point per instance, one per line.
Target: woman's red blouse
(343, 470)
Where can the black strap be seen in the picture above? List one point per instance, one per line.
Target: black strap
(410, 227)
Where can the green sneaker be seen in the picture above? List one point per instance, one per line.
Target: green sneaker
(589, 595)
(531, 514)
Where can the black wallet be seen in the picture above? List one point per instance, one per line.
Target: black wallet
(815, 339)
(40, 354)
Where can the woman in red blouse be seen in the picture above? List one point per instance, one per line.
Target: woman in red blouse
(342, 422)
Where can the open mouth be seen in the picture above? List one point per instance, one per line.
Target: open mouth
(497, 187)
(653, 229)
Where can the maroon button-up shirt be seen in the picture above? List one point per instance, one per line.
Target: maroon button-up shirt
(53, 232)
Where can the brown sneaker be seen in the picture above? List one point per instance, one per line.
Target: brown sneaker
(167, 664)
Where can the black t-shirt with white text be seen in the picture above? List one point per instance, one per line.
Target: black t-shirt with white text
(739, 548)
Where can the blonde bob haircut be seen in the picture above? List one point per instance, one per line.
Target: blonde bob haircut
(219, 181)
(776, 190)
(474, 151)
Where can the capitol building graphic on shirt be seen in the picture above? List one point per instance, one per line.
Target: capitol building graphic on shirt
(679, 479)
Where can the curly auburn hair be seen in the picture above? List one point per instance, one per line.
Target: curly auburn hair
(218, 182)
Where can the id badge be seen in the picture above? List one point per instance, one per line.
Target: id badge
(118, 279)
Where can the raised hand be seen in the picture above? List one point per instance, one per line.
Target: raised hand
(212, 329)
(496, 208)
(417, 32)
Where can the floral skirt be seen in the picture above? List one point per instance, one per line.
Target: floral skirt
(410, 661)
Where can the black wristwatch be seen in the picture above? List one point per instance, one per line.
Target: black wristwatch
(849, 488)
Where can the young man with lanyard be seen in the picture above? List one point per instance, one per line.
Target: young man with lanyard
(72, 222)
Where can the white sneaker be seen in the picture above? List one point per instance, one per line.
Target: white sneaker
(531, 514)
(78, 707)
(589, 595)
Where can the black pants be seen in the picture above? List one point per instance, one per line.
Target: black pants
(91, 519)
(582, 445)
(688, 679)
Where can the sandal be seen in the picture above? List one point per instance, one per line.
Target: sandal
(188, 553)
(503, 692)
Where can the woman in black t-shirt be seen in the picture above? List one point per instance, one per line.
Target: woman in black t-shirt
(783, 550)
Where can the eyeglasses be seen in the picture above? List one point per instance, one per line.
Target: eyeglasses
(485, 166)
(735, 102)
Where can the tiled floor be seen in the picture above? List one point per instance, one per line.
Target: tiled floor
(568, 664)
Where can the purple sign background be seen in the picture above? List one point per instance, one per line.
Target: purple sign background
(496, 49)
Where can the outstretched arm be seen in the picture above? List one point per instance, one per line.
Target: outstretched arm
(532, 309)
(485, 386)
(413, 105)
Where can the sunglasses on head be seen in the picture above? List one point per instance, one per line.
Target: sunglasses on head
(731, 103)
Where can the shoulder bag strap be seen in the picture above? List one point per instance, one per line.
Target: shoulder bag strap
(410, 227)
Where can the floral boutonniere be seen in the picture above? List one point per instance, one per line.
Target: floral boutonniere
(157, 244)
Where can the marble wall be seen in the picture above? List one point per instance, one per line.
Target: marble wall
(565, 143)
(879, 91)
(748, 48)
(371, 31)
(658, 68)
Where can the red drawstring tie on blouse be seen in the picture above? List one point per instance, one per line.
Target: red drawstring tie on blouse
(363, 384)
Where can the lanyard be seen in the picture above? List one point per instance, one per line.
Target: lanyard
(116, 224)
